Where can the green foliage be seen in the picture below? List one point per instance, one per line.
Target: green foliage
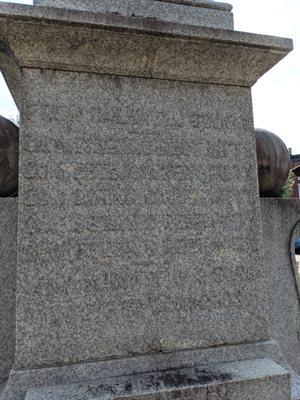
(287, 189)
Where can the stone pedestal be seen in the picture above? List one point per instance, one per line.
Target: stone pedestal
(139, 221)
(259, 379)
(280, 218)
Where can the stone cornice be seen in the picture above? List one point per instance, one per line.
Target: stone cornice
(60, 39)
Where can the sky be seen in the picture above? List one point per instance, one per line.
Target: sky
(276, 96)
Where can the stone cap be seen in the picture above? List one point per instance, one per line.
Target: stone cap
(206, 13)
(215, 5)
(72, 40)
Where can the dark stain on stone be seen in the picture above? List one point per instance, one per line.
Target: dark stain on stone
(201, 377)
(175, 380)
(128, 387)
(205, 377)
(96, 390)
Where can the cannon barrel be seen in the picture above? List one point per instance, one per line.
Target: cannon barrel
(9, 158)
(273, 160)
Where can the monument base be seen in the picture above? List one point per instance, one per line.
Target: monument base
(255, 379)
(270, 375)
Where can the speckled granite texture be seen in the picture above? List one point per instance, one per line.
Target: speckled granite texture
(211, 4)
(279, 218)
(21, 380)
(116, 45)
(255, 379)
(136, 240)
(8, 265)
(123, 205)
(208, 14)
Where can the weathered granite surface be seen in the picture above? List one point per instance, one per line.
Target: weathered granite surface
(21, 380)
(8, 265)
(135, 241)
(127, 227)
(211, 4)
(207, 13)
(279, 218)
(118, 228)
(255, 380)
(116, 45)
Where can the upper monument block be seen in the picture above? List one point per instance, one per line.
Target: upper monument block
(204, 13)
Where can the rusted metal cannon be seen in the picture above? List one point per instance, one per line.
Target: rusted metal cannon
(9, 158)
(273, 160)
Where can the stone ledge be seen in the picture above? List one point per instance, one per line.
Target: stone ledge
(21, 380)
(262, 378)
(117, 45)
(193, 12)
(214, 5)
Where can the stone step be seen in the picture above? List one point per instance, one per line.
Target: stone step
(247, 380)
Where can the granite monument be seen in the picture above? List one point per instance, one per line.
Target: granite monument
(140, 254)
